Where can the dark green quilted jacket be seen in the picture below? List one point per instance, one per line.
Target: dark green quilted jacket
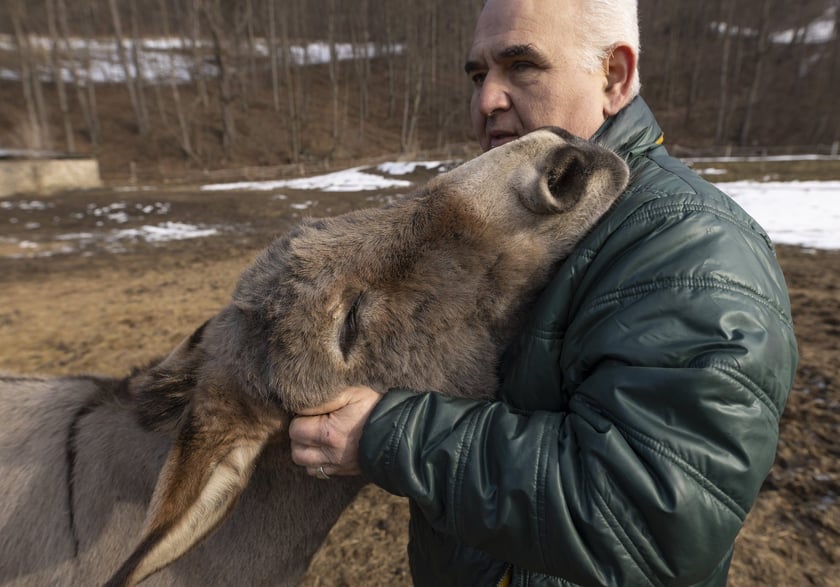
(639, 408)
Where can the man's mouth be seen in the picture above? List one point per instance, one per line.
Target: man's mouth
(498, 139)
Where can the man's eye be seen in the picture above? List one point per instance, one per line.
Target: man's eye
(522, 65)
(478, 78)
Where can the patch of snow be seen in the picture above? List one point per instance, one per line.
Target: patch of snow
(26, 205)
(821, 30)
(167, 231)
(349, 180)
(404, 168)
(803, 213)
(165, 59)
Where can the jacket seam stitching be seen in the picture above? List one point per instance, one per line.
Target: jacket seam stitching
(397, 433)
(642, 288)
(547, 334)
(643, 214)
(542, 478)
(649, 444)
(663, 204)
(462, 456)
(748, 384)
(623, 538)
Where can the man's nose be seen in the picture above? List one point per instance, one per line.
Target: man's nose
(492, 96)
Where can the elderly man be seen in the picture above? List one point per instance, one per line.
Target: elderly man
(638, 410)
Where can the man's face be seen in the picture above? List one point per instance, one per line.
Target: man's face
(526, 74)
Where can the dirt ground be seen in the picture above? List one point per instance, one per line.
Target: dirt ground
(113, 303)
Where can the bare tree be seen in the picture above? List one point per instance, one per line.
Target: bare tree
(272, 53)
(713, 86)
(701, 17)
(389, 19)
(236, 45)
(333, 67)
(181, 116)
(194, 36)
(58, 76)
(723, 96)
(217, 25)
(291, 81)
(449, 96)
(834, 87)
(673, 62)
(137, 64)
(30, 80)
(85, 88)
(761, 58)
(130, 82)
(249, 16)
(360, 37)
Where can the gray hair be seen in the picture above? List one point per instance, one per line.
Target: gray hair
(606, 24)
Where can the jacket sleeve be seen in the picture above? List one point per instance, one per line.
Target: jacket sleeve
(676, 364)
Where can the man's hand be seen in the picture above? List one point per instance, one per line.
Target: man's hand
(325, 439)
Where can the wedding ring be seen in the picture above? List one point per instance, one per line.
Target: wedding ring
(321, 474)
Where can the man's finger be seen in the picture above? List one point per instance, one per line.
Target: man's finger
(334, 404)
(309, 457)
(307, 430)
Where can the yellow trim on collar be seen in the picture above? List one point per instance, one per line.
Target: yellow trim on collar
(505, 581)
(661, 139)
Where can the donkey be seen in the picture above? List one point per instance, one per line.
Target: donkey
(180, 473)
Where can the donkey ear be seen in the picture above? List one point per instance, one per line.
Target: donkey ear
(561, 183)
(206, 470)
(162, 391)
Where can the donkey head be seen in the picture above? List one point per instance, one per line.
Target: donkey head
(423, 293)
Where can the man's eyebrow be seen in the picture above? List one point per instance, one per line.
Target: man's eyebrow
(472, 65)
(512, 51)
(509, 52)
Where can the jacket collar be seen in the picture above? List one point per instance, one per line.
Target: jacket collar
(632, 131)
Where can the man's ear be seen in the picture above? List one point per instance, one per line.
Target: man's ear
(620, 68)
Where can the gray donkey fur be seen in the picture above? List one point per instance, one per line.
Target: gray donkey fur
(180, 474)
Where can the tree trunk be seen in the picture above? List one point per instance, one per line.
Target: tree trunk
(333, 68)
(131, 86)
(58, 77)
(136, 45)
(183, 133)
(216, 23)
(723, 98)
(834, 84)
(412, 113)
(390, 44)
(197, 50)
(272, 54)
(673, 62)
(86, 98)
(415, 63)
(290, 80)
(235, 58)
(755, 86)
(360, 36)
(252, 46)
(38, 137)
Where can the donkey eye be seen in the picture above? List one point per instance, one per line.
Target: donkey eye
(350, 328)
